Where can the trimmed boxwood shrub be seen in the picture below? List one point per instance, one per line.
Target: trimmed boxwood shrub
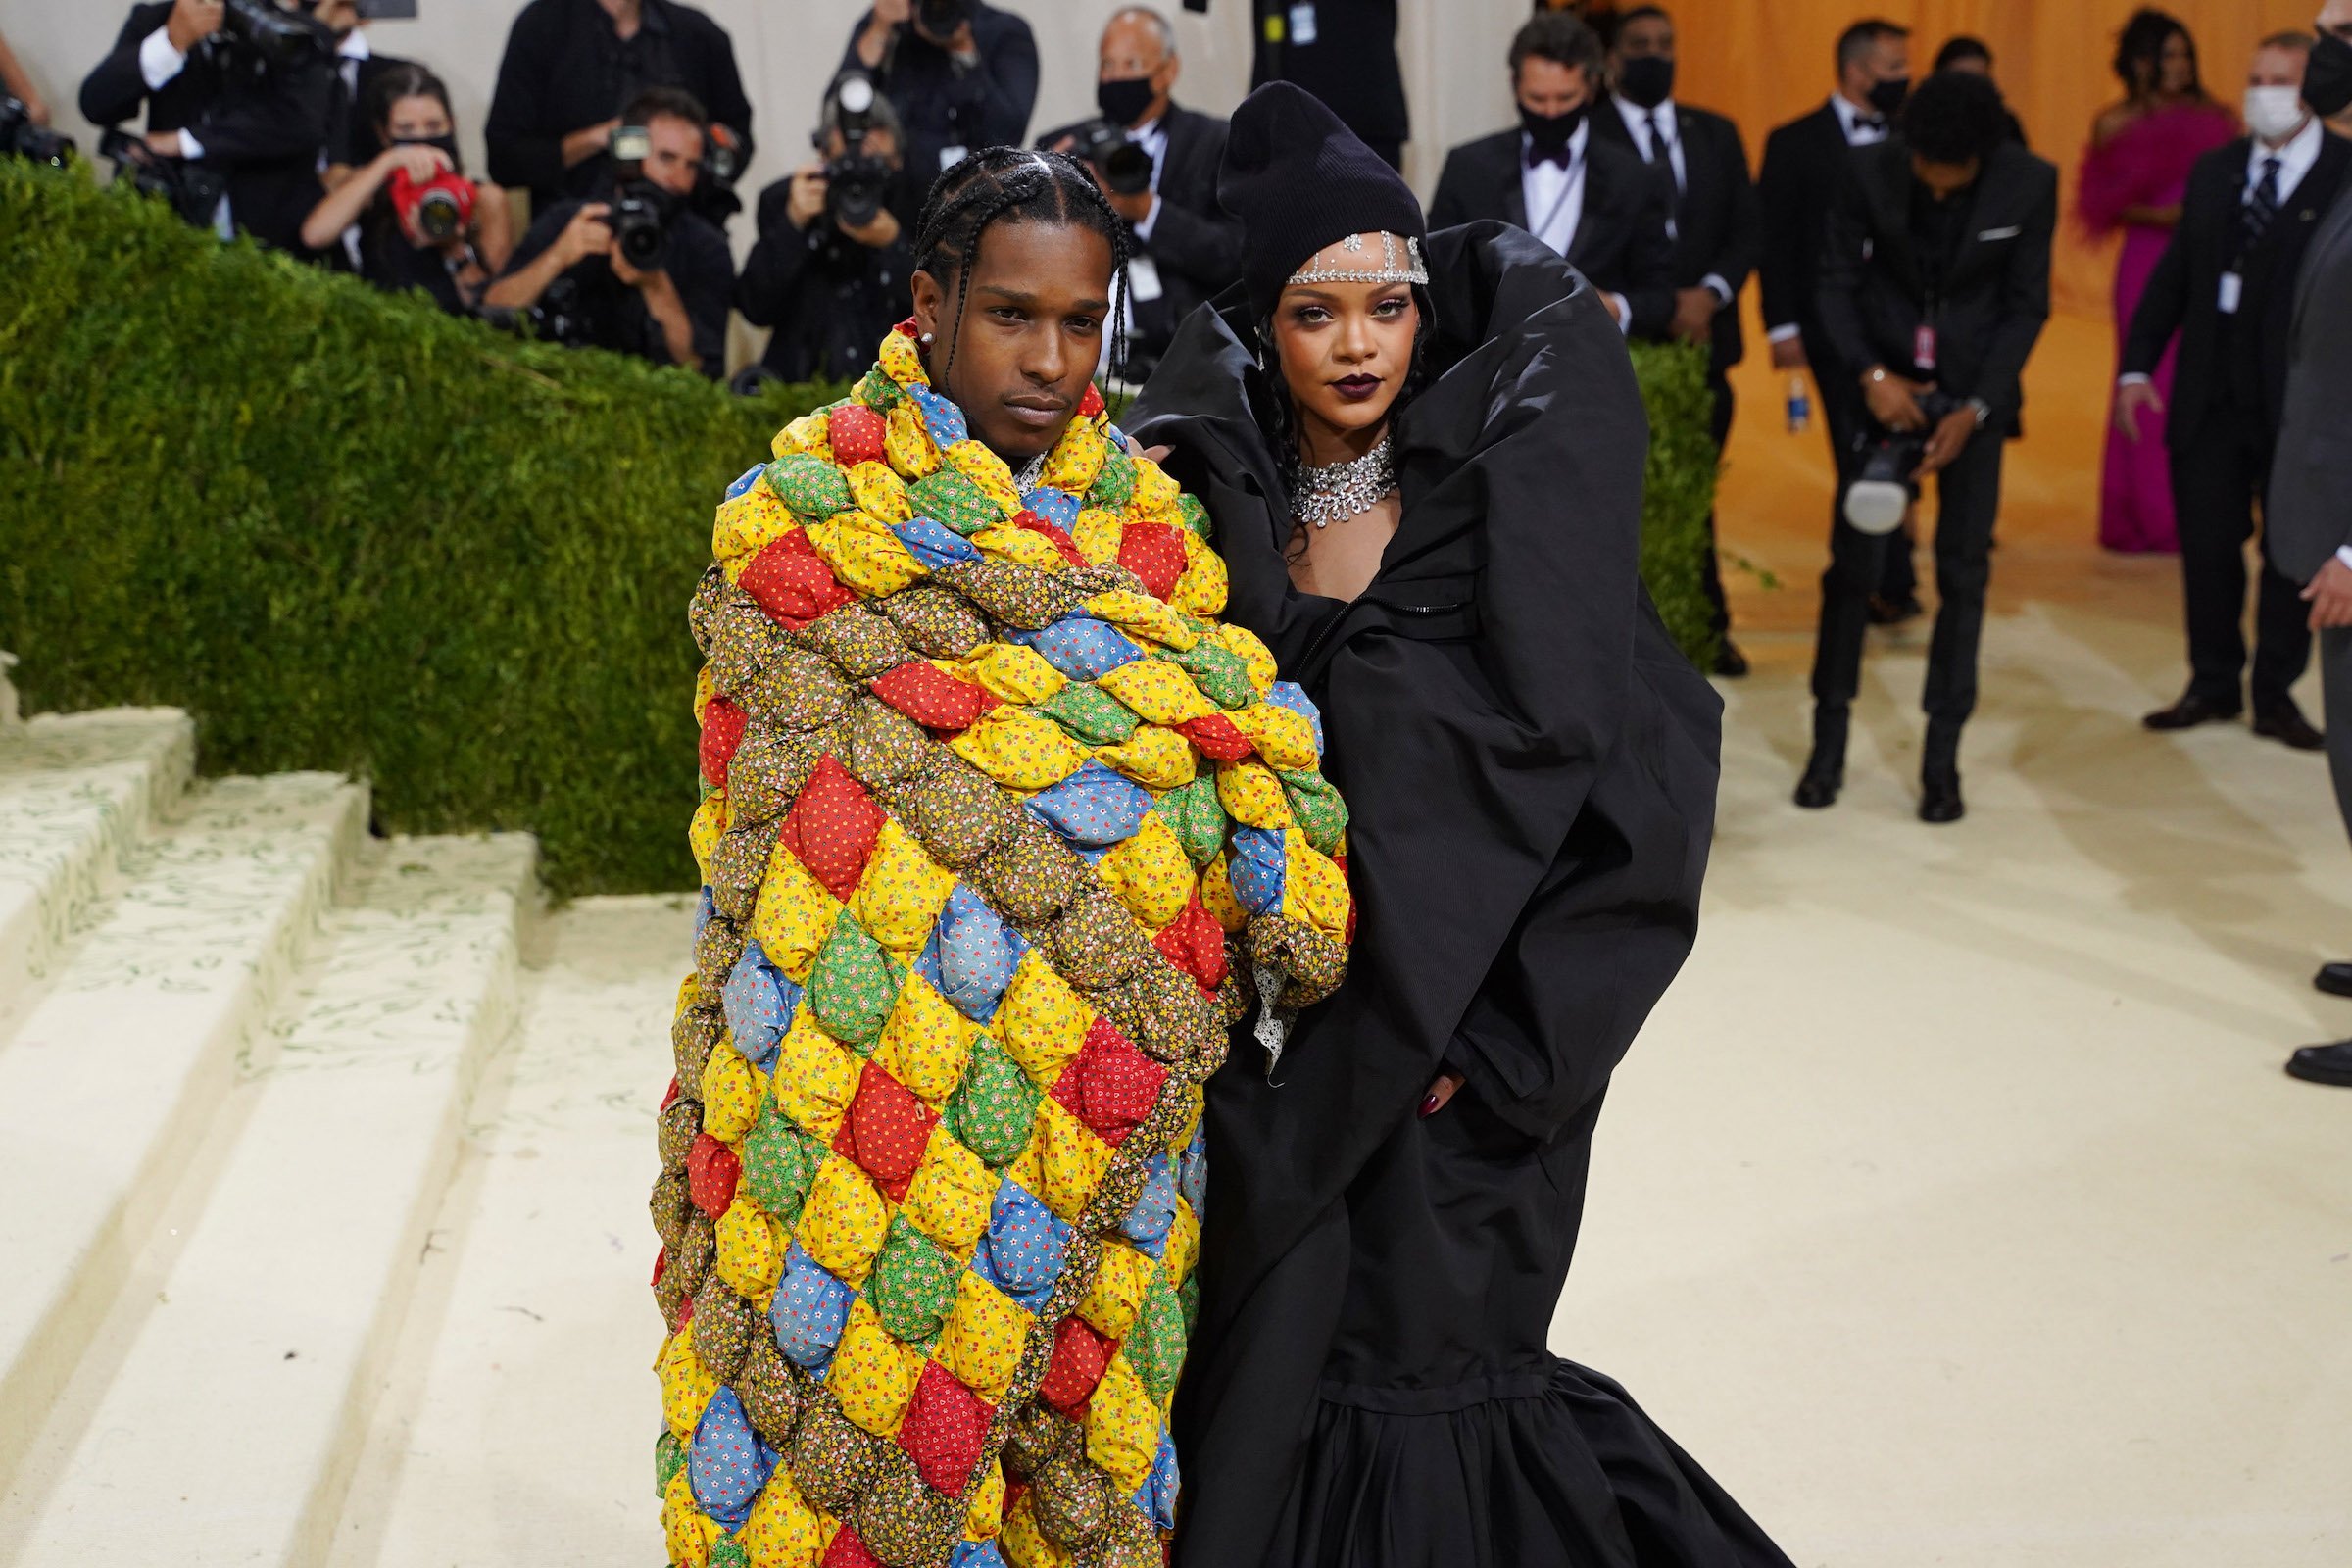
(348, 532)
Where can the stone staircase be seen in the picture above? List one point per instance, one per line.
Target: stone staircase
(242, 1044)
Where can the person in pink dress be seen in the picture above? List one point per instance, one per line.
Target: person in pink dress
(2133, 179)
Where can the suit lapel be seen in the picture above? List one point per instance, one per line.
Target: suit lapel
(1587, 223)
(1514, 185)
(2334, 238)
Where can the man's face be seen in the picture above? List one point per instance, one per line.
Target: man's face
(1942, 179)
(676, 162)
(1548, 88)
(1646, 35)
(1132, 51)
(1019, 360)
(2277, 68)
(1886, 60)
(878, 144)
(2336, 16)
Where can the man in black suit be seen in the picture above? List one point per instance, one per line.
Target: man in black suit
(245, 148)
(963, 77)
(1714, 228)
(1585, 196)
(1934, 284)
(1344, 53)
(1804, 163)
(2227, 285)
(1187, 248)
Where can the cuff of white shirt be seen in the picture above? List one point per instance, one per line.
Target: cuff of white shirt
(1715, 284)
(158, 60)
(1625, 315)
(189, 147)
(1143, 230)
(2135, 378)
(2343, 553)
(1782, 334)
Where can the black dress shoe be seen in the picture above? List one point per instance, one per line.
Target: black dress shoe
(1939, 799)
(2334, 978)
(1818, 791)
(2191, 711)
(2323, 1064)
(2286, 724)
(1886, 611)
(1730, 662)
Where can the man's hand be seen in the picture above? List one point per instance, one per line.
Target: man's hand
(874, 37)
(1788, 354)
(959, 43)
(2130, 401)
(644, 283)
(586, 235)
(1694, 314)
(1894, 402)
(192, 21)
(586, 142)
(1951, 434)
(877, 233)
(805, 201)
(164, 143)
(2330, 595)
(1615, 304)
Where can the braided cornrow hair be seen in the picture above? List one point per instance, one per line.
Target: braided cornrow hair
(1005, 184)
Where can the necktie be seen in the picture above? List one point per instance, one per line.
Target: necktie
(1661, 147)
(2262, 205)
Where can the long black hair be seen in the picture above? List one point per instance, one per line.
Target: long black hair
(1007, 185)
(2142, 42)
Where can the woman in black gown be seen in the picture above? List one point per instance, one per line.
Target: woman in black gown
(1531, 765)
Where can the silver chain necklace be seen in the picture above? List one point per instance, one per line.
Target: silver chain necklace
(1031, 472)
(1337, 491)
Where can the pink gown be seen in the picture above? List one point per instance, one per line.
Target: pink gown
(2147, 166)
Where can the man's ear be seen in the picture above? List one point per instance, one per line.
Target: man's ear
(930, 303)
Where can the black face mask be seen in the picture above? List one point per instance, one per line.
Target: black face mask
(1124, 102)
(2328, 78)
(1887, 96)
(1551, 133)
(448, 144)
(1646, 80)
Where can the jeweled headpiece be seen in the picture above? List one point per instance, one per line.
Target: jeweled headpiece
(1413, 270)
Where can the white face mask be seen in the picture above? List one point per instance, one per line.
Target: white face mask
(2274, 113)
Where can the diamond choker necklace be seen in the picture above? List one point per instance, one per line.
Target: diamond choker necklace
(1338, 491)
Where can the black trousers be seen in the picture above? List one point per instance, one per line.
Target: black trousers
(2219, 478)
(1844, 415)
(1710, 581)
(1969, 497)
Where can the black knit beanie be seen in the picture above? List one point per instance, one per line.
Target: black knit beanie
(1299, 180)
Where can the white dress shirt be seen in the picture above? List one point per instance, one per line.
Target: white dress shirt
(1850, 118)
(1555, 199)
(161, 61)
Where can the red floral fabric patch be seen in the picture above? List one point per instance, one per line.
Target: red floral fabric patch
(1062, 542)
(722, 731)
(1080, 1355)
(886, 1131)
(1110, 1085)
(1195, 942)
(944, 1429)
(711, 1172)
(855, 434)
(1154, 553)
(931, 696)
(790, 583)
(1217, 736)
(832, 827)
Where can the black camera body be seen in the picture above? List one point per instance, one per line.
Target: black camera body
(20, 137)
(939, 19)
(1125, 162)
(258, 37)
(857, 182)
(643, 213)
(1882, 486)
(194, 191)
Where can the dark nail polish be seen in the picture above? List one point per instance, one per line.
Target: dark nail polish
(1429, 1104)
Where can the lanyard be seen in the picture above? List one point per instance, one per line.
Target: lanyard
(1574, 182)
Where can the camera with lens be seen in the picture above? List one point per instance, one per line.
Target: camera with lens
(20, 137)
(433, 210)
(857, 182)
(194, 191)
(642, 210)
(258, 36)
(556, 318)
(939, 19)
(1883, 487)
(1125, 162)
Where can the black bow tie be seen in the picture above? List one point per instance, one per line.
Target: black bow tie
(1561, 155)
(1870, 122)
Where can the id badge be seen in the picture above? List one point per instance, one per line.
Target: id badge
(1143, 281)
(2234, 292)
(1302, 22)
(1923, 347)
(949, 157)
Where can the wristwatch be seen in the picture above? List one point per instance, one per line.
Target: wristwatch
(1981, 409)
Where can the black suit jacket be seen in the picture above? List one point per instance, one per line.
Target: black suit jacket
(353, 137)
(1351, 65)
(264, 142)
(1195, 245)
(1717, 228)
(1620, 243)
(1873, 291)
(1804, 165)
(2219, 358)
(944, 106)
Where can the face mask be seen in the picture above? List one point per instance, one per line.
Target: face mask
(1646, 80)
(2328, 79)
(2274, 113)
(1124, 102)
(1551, 133)
(448, 144)
(1887, 96)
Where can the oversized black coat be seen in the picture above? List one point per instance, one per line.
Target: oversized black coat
(1531, 766)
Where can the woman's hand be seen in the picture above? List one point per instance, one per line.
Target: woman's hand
(1440, 1092)
(421, 164)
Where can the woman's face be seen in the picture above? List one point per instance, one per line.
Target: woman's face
(2173, 70)
(1346, 347)
(1030, 337)
(419, 118)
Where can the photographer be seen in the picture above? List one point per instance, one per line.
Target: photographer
(1158, 167)
(420, 224)
(830, 271)
(1935, 282)
(571, 65)
(962, 73)
(634, 270)
(17, 82)
(238, 95)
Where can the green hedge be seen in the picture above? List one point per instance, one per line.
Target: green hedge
(348, 532)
